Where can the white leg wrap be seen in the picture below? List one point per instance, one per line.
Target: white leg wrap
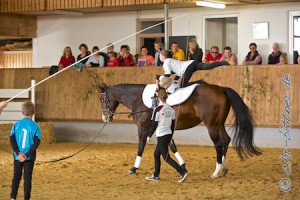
(218, 169)
(138, 161)
(223, 162)
(179, 158)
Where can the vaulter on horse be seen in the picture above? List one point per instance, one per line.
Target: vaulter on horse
(185, 69)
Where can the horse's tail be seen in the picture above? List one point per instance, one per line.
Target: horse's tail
(243, 136)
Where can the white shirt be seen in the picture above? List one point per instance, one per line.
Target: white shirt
(174, 85)
(164, 115)
(176, 66)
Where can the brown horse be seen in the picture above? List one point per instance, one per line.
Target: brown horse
(208, 103)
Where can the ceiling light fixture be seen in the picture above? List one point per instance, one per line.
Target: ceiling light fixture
(211, 4)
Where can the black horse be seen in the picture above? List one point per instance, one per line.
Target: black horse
(208, 103)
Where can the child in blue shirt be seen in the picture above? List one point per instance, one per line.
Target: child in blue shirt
(24, 139)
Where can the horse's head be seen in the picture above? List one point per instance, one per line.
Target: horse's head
(108, 105)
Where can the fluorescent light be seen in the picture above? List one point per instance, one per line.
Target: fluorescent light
(210, 4)
(66, 12)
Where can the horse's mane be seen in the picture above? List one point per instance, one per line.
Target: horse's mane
(201, 81)
(126, 86)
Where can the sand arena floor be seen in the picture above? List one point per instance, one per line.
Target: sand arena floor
(100, 172)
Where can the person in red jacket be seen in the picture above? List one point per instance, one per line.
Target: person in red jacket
(67, 58)
(126, 59)
(112, 61)
(212, 56)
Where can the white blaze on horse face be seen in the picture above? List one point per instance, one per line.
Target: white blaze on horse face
(104, 118)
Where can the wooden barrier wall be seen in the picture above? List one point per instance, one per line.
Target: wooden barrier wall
(59, 97)
(16, 59)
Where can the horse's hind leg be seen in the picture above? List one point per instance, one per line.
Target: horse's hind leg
(225, 143)
(176, 153)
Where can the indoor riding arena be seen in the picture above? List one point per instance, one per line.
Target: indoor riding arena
(87, 67)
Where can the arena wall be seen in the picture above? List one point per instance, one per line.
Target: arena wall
(59, 97)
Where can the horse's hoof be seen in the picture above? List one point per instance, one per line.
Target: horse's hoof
(224, 171)
(214, 176)
(130, 172)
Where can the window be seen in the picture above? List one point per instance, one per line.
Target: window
(294, 36)
(148, 37)
(221, 32)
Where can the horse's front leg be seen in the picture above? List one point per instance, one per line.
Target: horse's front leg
(142, 142)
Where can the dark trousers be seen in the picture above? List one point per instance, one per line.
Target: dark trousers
(197, 65)
(18, 170)
(162, 149)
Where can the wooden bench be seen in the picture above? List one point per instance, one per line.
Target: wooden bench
(13, 111)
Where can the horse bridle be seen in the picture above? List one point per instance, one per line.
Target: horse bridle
(105, 100)
(111, 113)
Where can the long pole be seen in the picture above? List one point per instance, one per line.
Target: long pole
(166, 14)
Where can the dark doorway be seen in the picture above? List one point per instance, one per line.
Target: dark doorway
(149, 44)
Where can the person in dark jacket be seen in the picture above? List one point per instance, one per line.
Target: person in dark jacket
(253, 57)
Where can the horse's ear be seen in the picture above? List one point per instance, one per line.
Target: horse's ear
(102, 87)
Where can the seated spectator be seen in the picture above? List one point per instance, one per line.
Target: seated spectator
(84, 54)
(253, 57)
(275, 55)
(298, 60)
(157, 47)
(67, 58)
(109, 48)
(126, 59)
(229, 56)
(176, 52)
(145, 59)
(96, 60)
(112, 61)
(135, 59)
(195, 53)
(283, 59)
(213, 55)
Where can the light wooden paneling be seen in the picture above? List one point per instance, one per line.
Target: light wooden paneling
(18, 25)
(58, 98)
(17, 59)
